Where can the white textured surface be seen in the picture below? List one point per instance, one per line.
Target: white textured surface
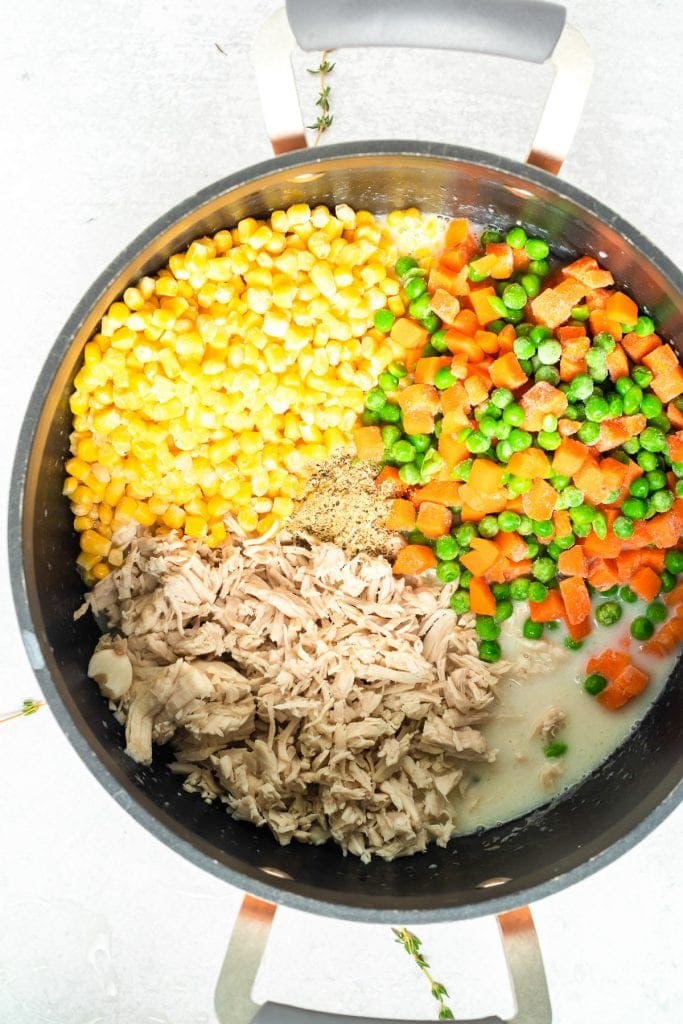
(112, 112)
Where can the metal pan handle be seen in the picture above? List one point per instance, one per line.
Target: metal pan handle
(524, 29)
(233, 1002)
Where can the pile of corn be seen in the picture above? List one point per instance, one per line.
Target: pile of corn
(216, 386)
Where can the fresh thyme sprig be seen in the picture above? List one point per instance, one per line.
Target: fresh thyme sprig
(29, 707)
(412, 946)
(325, 118)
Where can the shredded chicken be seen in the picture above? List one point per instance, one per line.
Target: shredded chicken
(550, 723)
(316, 694)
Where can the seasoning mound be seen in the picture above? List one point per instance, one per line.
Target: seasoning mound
(342, 504)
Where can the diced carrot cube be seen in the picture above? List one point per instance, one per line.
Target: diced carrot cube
(539, 502)
(579, 630)
(576, 598)
(457, 231)
(414, 559)
(505, 263)
(401, 515)
(569, 457)
(445, 305)
(603, 574)
(541, 400)
(451, 450)
(443, 492)
(427, 368)
(549, 609)
(646, 583)
(530, 464)
(479, 299)
(408, 333)
(433, 520)
(637, 346)
(507, 373)
(369, 443)
(482, 601)
(486, 476)
(668, 386)
(587, 270)
(675, 443)
(622, 308)
(662, 360)
(617, 363)
(573, 562)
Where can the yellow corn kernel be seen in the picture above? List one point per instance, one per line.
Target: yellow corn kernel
(105, 514)
(70, 485)
(283, 507)
(99, 571)
(78, 469)
(247, 519)
(173, 517)
(114, 492)
(93, 543)
(125, 508)
(87, 561)
(195, 526)
(82, 523)
(266, 522)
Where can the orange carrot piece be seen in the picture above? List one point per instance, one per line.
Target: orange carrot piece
(617, 363)
(507, 338)
(369, 443)
(451, 450)
(447, 277)
(662, 360)
(668, 386)
(507, 373)
(554, 305)
(575, 347)
(579, 630)
(570, 368)
(433, 520)
(599, 322)
(487, 504)
(646, 583)
(422, 397)
(675, 596)
(573, 562)
(457, 232)
(547, 610)
(463, 345)
(466, 322)
(608, 663)
(530, 464)
(389, 478)
(637, 346)
(615, 432)
(401, 515)
(475, 388)
(664, 530)
(576, 598)
(562, 523)
(427, 368)
(414, 558)
(675, 443)
(487, 341)
(443, 492)
(599, 547)
(630, 682)
(604, 573)
(589, 480)
(570, 333)
(539, 502)
(408, 333)
(482, 601)
(445, 305)
(588, 272)
(568, 427)
(486, 476)
(505, 263)
(569, 457)
(418, 421)
(541, 400)
(454, 397)
(511, 546)
(482, 555)
(484, 265)
(622, 308)
(479, 299)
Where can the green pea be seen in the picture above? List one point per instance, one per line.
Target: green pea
(589, 432)
(549, 374)
(387, 382)
(513, 414)
(496, 326)
(432, 323)
(623, 528)
(464, 534)
(489, 650)
(652, 439)
(518, 485)
(632, 400)
(559, 482)
(611, 591)
(673, 560)
(645, 326)
(594, 684)
(597, 409)
(447, 571)
(639, 488)
(524, 348)
(526, 527)
(532, 630)
(488, 427)
(404, 264)
(556, 749)
(420, 307)
(628, 595)
(540, 267)
(501, 591)
(501, 398)
(543, 569)
(599, 525)
(476, 275)
(656, 479)
(531, 283)
(668, 581)
(537, 591)
(632, 446)
(641, 628)
(539, 334)
(462, 472)
(460, 602)
(656, 612)
(509, 521)
(398, 370)
(490, 235)
(390, 413)
(514, 297)
(608, 613)
(384, 320)
(447, 548)
(566, 542)
(581, 313)
(438, 340)
(679, 488)
(519, 589)
(402, 451)
(642, 376)
(615, 405)
(581, 387)
(370, 419)
(572, 412)
(503, 610)
(444, 378)
(488, 526)
(532, 546)
(375, 399)
(543, 528)
(391, 434)
(477, 443)
(650, 406)
(549, 352)
(516, 238)
(549, 440)
(487, 628)
(634, 508)
(415, 287)
(465, 578)
(519, 440)
(573, 645)
(582, 515)
(554, 551)
(410, 474)
(537, 249)
(661, 501)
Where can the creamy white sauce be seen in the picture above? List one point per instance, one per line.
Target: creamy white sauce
(512, 785)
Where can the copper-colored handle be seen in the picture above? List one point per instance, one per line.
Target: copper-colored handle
(233, 1002)
(571, 59)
